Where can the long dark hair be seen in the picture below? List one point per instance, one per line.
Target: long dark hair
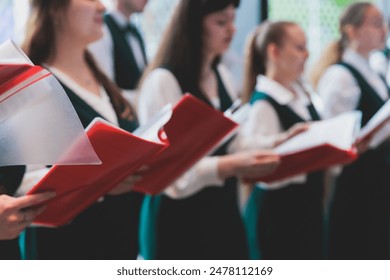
(40, 46)
(181, 50)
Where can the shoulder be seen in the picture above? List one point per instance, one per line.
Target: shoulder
(161, 75)
(337, 72)
(335, 76)
(160, 79)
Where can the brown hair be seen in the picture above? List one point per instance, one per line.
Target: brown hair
(354, 16)
(256, 51)
(40, 41)
(181, 48)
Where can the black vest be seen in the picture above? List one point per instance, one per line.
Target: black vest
(126, 70)
(369, 102)
(286, 116)
(86, 113)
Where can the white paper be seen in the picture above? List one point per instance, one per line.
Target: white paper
(150, 130)
(339, 132)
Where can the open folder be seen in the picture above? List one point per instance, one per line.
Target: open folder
(168, 145)
(377, 127)
(38, 124)
(194, 130)
(325, 143)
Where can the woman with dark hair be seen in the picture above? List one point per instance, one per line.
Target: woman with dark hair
(197, 217)
(289, 214)
(360, 213)
(59, 32)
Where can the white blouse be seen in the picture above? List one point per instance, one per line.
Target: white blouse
(340, 91)
(103, 52)
(100, 104)
(160, 88)
(263, 126)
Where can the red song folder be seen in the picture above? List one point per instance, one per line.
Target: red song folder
(191, 131)
(77, 187)
(326, 143)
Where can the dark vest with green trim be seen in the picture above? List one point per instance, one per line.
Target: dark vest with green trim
(206, 225)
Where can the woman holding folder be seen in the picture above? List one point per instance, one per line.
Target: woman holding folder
(197, 217)
(289, 212)
(59, 32)
(359, 217)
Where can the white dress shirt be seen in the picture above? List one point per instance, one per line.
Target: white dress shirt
(160, 88)
(340, 91)
(103, 52)
(263, 126)
(380, 64)
(100, 104)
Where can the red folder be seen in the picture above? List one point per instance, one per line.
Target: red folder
(310, 160)
(77, 187)
(326, 143)
(193, 131)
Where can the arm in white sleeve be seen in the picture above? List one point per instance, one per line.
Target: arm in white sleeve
(339, 91)
(378, 63)
(159, 89)
(260, 131)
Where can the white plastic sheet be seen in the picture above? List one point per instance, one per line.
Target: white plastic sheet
(38, 124)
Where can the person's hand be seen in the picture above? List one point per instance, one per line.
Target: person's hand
(17, 213)
(293, 131)
(363, 145)
(248, 164)
(127, 184)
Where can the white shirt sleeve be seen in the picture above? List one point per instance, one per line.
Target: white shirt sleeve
(260, 132)
(339, 91)
(159, 89)
(378, 63)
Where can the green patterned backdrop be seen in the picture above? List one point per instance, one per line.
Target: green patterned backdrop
(319, 19)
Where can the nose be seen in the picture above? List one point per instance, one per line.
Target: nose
(306, 55)
(232, 28)
(101, 7)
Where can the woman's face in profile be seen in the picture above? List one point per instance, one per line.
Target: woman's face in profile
(218, 30)
(372, 32)
(292, 54)
(84, 20)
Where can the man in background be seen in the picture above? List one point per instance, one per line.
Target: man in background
(121, 52)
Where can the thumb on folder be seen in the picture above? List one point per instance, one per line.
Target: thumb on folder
(290, 133)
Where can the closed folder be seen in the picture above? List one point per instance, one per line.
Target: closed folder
(77, 187)
(193, 131)
(326, 143)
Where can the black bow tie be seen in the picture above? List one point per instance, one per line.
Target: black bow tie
(130, 28)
